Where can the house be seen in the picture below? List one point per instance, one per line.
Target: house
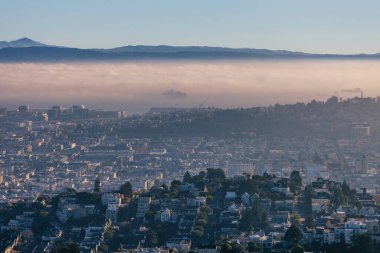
(245, 198)
(320, 205)
(183, 244)
(230, 196)
(165, 215)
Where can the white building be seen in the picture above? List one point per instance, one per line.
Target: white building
(166, 215)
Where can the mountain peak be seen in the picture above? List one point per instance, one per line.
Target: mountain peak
(24, 39)
(23, 42)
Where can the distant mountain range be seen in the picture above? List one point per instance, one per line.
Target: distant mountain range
(27, 50)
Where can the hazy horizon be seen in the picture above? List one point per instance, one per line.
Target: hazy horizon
(322, 26)
(138, 86)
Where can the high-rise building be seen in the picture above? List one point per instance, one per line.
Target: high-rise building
(23, 109)
(55, 112)
(360, 130)
(361, 164)
(79, 111)
(3, 111)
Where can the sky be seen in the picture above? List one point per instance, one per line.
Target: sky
(318, 26)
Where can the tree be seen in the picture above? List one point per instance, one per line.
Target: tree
(201, 222)
(247, 221)
(338, 198)
(174, 187)
(187, 178)
(295, 182)
(165, 187)
(61, 246)
(293, 234)
(309, 220)
(103, 248)
(332, 100)
(97, 188)
(297, 249)
(226, 248)
(253, 218)
(151, 239)
(209, 199)
(237, 248)
(213, 174)
(363, 244)
(40, 222)
(232, 248)
(346, 189)
(348, 192)
(197, 233)
(309, 191)
(296, 219)
(206, 209)
(126, 189)
(253, 247)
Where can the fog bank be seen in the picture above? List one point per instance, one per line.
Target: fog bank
(138, 86)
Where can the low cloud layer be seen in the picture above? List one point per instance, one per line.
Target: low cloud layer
(138, 86)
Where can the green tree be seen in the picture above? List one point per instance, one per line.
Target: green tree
(296, 219)
(293, 234)
(297, 249)
(165, 187)
(309, 192)
(61, 246)
(332, 100)
(309, 220)
(206, 209)
(151, 239)
(348, 192)
(213, 174)
(363, 244)
(338, 198)
(174, 187)
(97, 188)
(232, 248)
(103, 248)
(253, 218)
(197, 233)
(201, 222)
(295, 182)
(187, 178)
(40, 222)
(126, 189)
(253, 247)
(237, 248)
(226, 248)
